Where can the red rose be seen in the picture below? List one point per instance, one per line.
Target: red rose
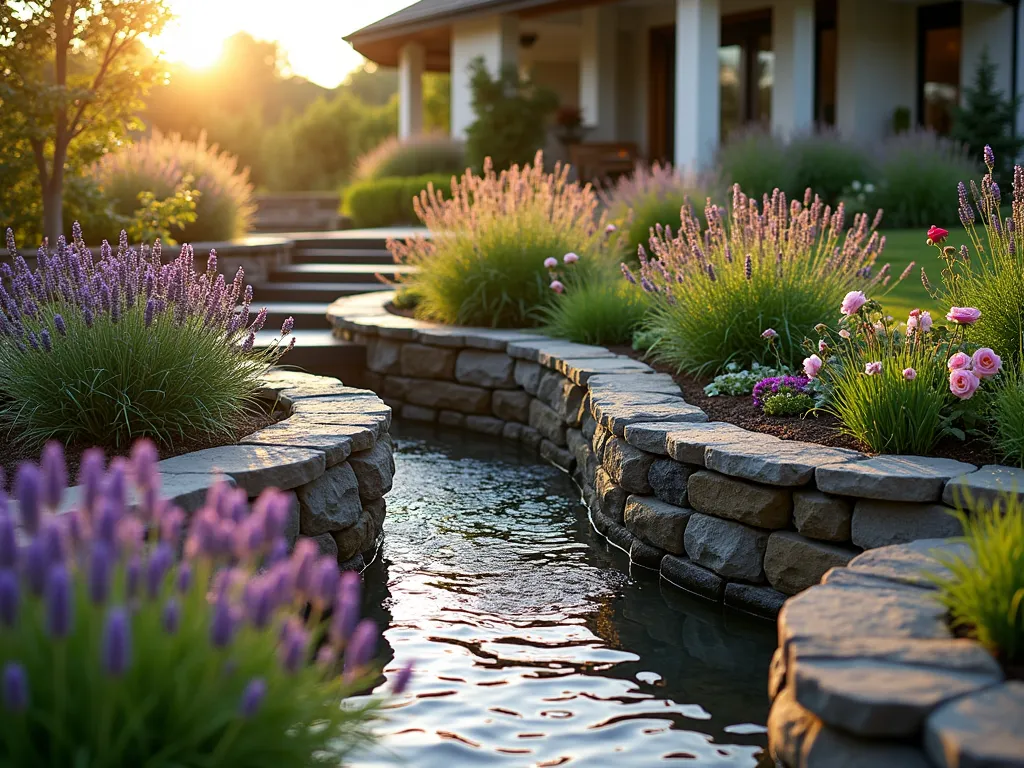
(937, 235)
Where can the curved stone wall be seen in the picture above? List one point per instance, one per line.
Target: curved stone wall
(735, 516)
(868, 674)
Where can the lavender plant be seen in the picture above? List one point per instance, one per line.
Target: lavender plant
(115, 653)
(784, 395)
(105, 350)
(782, 264)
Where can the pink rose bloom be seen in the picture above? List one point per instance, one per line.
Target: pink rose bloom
(959, 362)
(909, 374)
(963, 383)
(822, 345)
(873, 369)
(986, 363)
(570, 258)
(550, 262)
(811, 366)
(769, 334)
(853, 302)
(610, 229)
(915, 313)
(963, 315)
(844, 333)
(557, 287)
(925, 322)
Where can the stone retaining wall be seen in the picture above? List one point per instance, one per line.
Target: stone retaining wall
(868, 674)
(735, 516)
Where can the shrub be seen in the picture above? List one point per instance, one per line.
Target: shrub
(918, 174)
(225, 206)
(649, 196)
(756, 162)
(784, 387)
(511, 117)
(389, 201)
(427, 154)
(484, 262)
(113, 653)
(125, 347)
(992, 280)
(596, 308)
(984, 589)
(715, 292)
(1007, 417)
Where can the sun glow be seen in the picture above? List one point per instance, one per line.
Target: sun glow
(309, 32)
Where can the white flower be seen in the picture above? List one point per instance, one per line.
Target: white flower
(869, 188)
(855, 186)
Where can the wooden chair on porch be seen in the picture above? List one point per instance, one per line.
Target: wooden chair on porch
(597, 161)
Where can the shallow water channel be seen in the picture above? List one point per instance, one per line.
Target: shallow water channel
(534, 644)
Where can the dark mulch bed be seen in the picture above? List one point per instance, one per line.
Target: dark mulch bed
(12, 454)
(813, 428)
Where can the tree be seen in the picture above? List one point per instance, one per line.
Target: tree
(75, 72)
(511, 117)
(988, 117)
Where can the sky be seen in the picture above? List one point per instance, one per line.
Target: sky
(309, 31)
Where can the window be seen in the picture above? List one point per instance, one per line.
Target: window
(746, 70)
(939, 43)
(825, 55)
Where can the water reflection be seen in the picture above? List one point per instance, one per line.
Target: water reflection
(534, 646)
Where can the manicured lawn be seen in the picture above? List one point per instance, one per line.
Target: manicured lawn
(903, 246)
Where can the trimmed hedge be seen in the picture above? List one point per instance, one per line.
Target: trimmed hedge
(388, 202)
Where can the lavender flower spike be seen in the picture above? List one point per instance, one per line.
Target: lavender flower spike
(15, 688)
(287, 326)
(116, 650)
(252, 697)
(9, 598)
(402, 679)
(55, 474)
(28, 488)
(59, 602)
(362, 648)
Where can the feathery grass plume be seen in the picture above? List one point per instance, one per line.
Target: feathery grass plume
(983, 589)
(782, 264)
(425, 154)
(116, 652)
(225, 206)
(993, 279)
(106, 350)
(484, 261)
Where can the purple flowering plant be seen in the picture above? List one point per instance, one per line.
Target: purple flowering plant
(105, 349)
(773, 385)
(116, 651)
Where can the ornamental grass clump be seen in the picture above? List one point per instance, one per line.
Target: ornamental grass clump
(983, 590)
(116, 653)
(484, 261)
(106, 350)
(783, 265)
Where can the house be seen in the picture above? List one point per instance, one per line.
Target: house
(673, 77)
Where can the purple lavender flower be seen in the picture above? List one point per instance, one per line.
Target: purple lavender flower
(58, 323)
(160, 561)
(287, 326)
(8, 542)
(252, 697)
(293, 647)
(990, 157)
(247, 345)
(325, 580)
(51, 534)
(28, 489)
(15, 688)
(259, 604)
(170, 619)
(54, 474)
(9, 598)
(88, 317)
(33, 341)
(59, 602)
(147, 316)
(772, 385)
(402, 679)
(116, 649)
(183, 582)
(346, 611)
(361, 649)
(101, 567)
(222, 627)
(45, 340)
(260, 321)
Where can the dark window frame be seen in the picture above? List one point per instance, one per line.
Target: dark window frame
(931, 17)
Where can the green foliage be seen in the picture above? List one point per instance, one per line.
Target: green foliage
(984, 589)
(511, 117)
(421, 155)
(406, 297)
(74, 75)
(1007, 417)
(988, 118)
(787, 402)
(918, 173)
(757, 162)
(737, 381)
(156, 165)
(600, 309)
(388, 201)
(156, 219)
(484, 262)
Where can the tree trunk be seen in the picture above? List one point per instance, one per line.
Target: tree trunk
(53, 212)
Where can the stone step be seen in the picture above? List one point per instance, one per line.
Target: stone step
(339, 255)
(307, 315)
(312, 292)
(337, 273)
(320, 352)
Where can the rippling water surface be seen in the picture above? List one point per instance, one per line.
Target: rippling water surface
(534, 645)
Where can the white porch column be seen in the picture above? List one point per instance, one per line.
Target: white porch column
(598, 63)
(697, 90)
(410, 90)
(793, 90)
(495, 39)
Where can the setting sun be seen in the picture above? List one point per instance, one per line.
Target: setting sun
(309, 32)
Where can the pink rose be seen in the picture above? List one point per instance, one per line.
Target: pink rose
(822, 345)
(963, 383)
(769, 334)
(844, 333)
(959, 362)
(550, 262)
(811, 366)
(873, 369)
(963, 315)
(909, 374)
(853, 301)
(570, 258)
(925, 322)
(915, 313)
(986, 363)
(557, 287)
(937, 235)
